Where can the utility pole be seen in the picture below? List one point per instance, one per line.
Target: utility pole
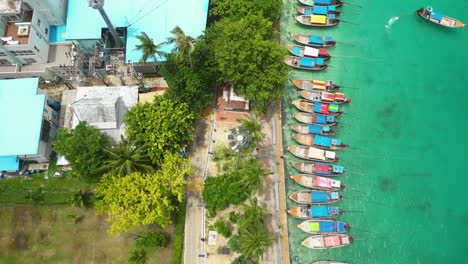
(99, 5)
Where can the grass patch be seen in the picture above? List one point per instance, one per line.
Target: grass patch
(179, 235)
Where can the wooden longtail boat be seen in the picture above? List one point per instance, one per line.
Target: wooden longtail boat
(329, 262)
(318, 20)
(318, 108)
(311, 153)
(317, 182)
(429, 14)
(319, 141)
(315, 197)
(313, 129)
(327, 241)
(324, 97)
(316, 85)
(314, 40)
(336, 3)
(309, 52)
(307, 212)
(306, 63)
(317, 168)
(321, 227)
(317, 10)
(314, 119)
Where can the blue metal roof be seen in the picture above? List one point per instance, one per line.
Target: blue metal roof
(21, 111)
(9, 163)
(155, 17)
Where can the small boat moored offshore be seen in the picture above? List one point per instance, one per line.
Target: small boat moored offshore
(317, 10)
(319, 141)
(309, 52)
(318, 20)
(336, 3)
(429, 14)
(327, 241)
(315, 197)
(314, 119)
(314, 40)
(329, 262)
(324, 227)
(311, 153)
(317, 168)
(317, 182)
(324, 97)
(316, 85)
(319, 108)
(313, 129)
(315, 212)
(305, 63)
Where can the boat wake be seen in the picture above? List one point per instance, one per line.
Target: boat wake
(390, 22)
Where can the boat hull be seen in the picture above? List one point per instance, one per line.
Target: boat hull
(304, 39)
(293, 61)
(296, 212)
(445, 21)
(301, 165)
(307, 140)
(307, 95)
(305, 117)
(305, 85)
(301, 54)
(296, 150)
(304, 227)
(336, 3)
(302, 10)
(307, 242)
(301, 180)
(303, 105)
(296, 198)
(305, 20)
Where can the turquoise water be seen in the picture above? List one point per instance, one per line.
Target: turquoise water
(408, 116)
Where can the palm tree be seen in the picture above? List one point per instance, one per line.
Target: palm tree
(126, 158)
(253, 215)
(254, 126)
(183, 44)
(138, 257)
(253, 242)
(252, 175)
(149, 49)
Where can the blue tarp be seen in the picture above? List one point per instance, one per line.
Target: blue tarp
(319, 61)
(325, 128)
(328, 38)
(333, 210)
(307, 62)
(336, 142)
(314, 39)
(338, 169)
(319, 197)
(307, 12)
(297, 50)
(319, 211)
(322, 141)
(325, 2)
(331, 16)
(331, 8)
(317, 107)
(314, 129)
(320, 10)
(437, 16)
(331, 119)
(334, 195)
(340, 227)
(321, 119)
(327, 226)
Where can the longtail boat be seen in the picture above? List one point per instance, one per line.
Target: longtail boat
(305, 63)
(309, 52)
(314, 40)
(314, 119)
(311, 153)
(328, 262)
(317, 168)
(315, 212)
(319, 141)
(336, 3)
(321, 227)
(315, 197)
(316, 85)
(429, 14)
(313, 129)
(327, 241)
(318, 10)
(324, 97)
(319, 108)
(317, 182)
(318, 20)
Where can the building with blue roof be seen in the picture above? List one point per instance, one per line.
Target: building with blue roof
(28, 123)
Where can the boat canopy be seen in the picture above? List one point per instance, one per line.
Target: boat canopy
(317, 19)
(323, 182)
(323, 51)
(333, 108)
(338, 169)
(319, 61)
(319, 197)
(311, 52)
(320, 10)
(319, 211)
(335, 142)
(339, 96)
(314, 226)
(331, 8)
(322, 141)
(327, 96)
(321, 119)
(331, 16)
(334, 195)
(335, 183)
(436, 16)
(329, 227)
(314, 129)
(317, 40)
(330, 155)
(332, 241)
(307, 62)
(322, 168)
(323, 2)
(315, 153)
(318, 82)
(296, 50)
(321, 108)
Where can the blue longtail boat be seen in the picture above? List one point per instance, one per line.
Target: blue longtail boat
(324, 227)
(315, 197)
(315, 212)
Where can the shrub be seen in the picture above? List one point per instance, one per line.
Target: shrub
(179, 236)
(233, 243)
(151, 239)
(233, 217)
(223, 229)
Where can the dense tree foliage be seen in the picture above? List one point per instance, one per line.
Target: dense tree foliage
(138, 198)
(125, 158)
(184, 45)
(163, 125)
(83, 147)
(248, 58)
(252, 174)
(151, 240)
(239, 8)
(222, 228)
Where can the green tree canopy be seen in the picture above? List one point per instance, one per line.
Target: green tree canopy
(83, 147)
(248, 58)
(125, 158)
(237, 9)
(149, 49)
(251, 174)
(163, 125)
(254, 126)
(138, 198)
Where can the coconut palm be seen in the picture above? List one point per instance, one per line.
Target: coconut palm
(126, 158)
(253, 242)
(183, 44)
(254, 126)
(149, 49)
(253, 215)
(138, 257)
(252, 175)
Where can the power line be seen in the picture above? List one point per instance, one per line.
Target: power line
(148, 13)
